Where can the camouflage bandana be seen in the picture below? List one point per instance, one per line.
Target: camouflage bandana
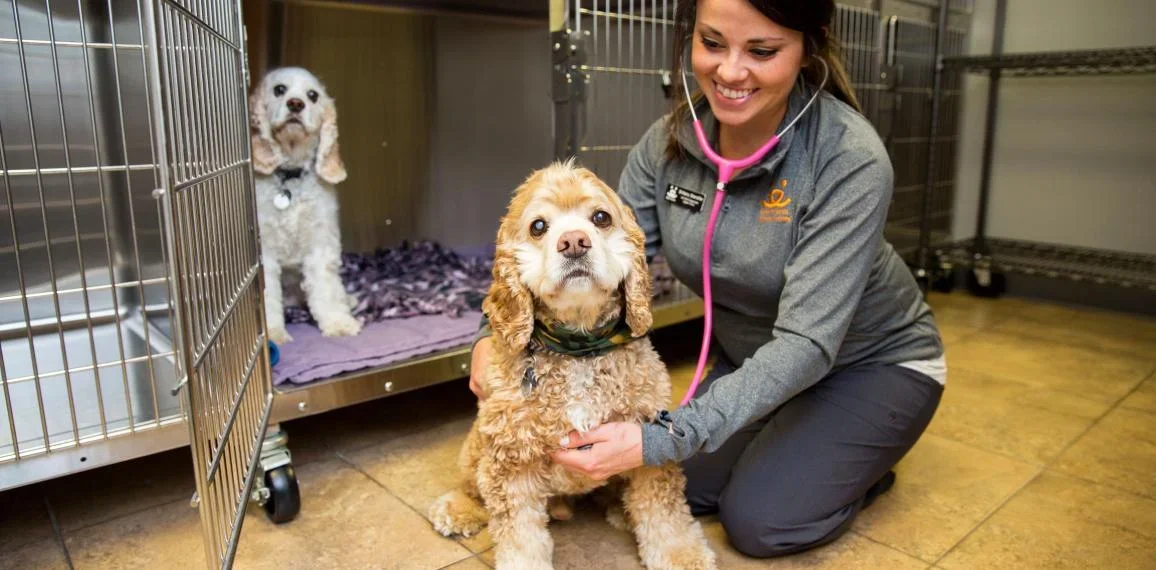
(598, 341)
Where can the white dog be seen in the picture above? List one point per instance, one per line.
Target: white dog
(293, 125)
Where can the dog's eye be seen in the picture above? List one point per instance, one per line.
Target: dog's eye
(538, 227)
(601, 219)
(312, 95)
(278, 90)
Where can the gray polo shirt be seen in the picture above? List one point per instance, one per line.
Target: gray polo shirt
(802, 280)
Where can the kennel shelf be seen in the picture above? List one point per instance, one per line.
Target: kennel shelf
(1102, 267)
(678, 305)
(1120, 61)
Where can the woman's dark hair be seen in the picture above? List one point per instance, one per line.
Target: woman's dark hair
(811, 17)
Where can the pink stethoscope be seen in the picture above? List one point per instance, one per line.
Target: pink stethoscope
(726, 168)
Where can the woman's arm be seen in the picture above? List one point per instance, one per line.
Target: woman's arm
(825, 275)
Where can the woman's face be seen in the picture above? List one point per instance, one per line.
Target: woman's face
(745, 63)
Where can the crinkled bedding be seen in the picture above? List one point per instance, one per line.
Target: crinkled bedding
(415, 299)
(422, 278)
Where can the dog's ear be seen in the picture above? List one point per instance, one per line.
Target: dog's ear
(509, 304)
(637, 285)
(329, 165)
(266, 154)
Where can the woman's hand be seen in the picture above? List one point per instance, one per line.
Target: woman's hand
(615, 447)
(479, 361)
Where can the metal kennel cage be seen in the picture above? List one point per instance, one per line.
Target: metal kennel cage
(612, 80)
(131, 316)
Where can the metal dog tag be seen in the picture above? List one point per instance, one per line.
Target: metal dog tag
(282, 200)
(529, 382)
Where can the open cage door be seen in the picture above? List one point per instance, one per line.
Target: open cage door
(198, 96)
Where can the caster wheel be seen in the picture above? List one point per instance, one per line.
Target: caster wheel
(284, 497)
(943, 276)
(985, 283)
(943, 280)
(922, 280)
(943, 283)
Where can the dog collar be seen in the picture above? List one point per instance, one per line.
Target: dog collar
(285, 197)
(284, 174)
(572, 342)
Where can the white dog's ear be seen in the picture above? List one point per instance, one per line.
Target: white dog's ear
(329, 165)
(267, 155)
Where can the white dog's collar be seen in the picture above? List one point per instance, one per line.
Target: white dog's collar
(285, 197)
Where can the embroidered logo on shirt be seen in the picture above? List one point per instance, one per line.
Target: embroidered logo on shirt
(775, 206)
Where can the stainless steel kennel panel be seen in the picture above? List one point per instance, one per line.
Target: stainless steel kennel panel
(130, 306)
(910, 56)
(611, 78)
(85, 350)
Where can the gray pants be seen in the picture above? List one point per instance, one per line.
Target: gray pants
(796, 478)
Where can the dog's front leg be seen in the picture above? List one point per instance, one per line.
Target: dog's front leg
(274, 307)
(668, 536)
(326, 294)
(518, 518)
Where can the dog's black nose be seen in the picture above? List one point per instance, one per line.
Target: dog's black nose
(295, 105)
(574, 244)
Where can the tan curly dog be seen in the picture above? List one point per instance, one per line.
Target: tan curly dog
(569, 260)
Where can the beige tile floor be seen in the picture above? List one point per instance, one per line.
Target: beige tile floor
(1042, 455)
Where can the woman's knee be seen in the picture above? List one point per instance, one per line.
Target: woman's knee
(759, 530)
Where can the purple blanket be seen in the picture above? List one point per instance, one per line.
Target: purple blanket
(414, 278)
(311, 357)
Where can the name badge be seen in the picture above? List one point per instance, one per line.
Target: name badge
(685, 198)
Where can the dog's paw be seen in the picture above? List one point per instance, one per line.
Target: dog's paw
(616, 516)
(279, 335)
(582, 418)
(695, 557)
(559, 509)
(456, 514)
(340, 325)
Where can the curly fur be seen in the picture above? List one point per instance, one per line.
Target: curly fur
(506, 454)
(305, 237)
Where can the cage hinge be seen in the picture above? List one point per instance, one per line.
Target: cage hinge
(570, 77)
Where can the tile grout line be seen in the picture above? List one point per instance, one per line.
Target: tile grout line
(889, 547)
(1045, 468)
(389, 491)
(56, 530)
(126, 514)
(1082, 397)
(474, 557)
(1113, 352)
(990, 514)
